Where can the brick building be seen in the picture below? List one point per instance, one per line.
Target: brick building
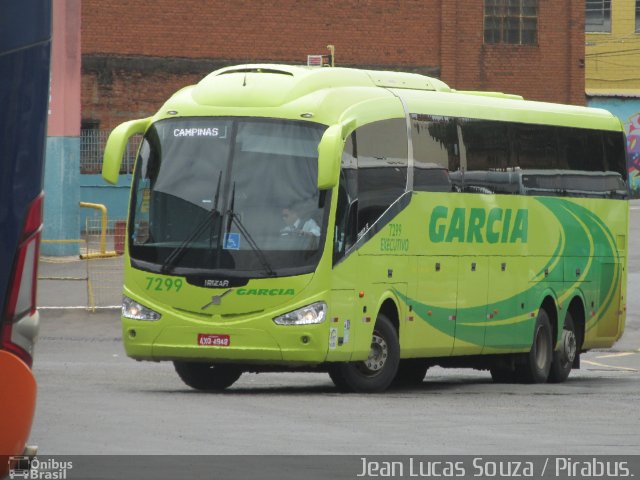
(134, 57)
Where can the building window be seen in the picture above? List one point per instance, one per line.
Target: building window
(637, 16)
(598, 15)
(511, 21)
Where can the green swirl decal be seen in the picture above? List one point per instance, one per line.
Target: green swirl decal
(584, 246)
(604, 251)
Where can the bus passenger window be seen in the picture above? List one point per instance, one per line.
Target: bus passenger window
(595, 163)
(489, 163)
(534, 146)
(382, 168)
(581, 149)
(435, 152)
(614, 151)
(486, 144)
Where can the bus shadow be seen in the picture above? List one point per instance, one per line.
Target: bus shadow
(437, 386)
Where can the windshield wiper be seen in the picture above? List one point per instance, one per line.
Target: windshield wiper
(233, 218)
(206, 222)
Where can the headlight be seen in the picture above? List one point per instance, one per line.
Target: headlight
(314, 313)
(136, 311)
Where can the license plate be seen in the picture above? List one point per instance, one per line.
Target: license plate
(213, 340)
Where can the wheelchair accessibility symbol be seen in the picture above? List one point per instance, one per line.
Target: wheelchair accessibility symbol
(232, 241)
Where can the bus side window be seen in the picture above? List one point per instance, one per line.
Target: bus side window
(614, 151)
(347, 207)
(436, 153)
(382, 168)
(487, 151)
(616, 163)
(534, 147)
(587, 154)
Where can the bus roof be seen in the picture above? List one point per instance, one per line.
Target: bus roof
(326, 95)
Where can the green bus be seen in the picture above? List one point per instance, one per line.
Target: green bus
(370, 224)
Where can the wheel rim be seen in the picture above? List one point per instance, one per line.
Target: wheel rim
(569, 346)
(542, 349)
(378, 355)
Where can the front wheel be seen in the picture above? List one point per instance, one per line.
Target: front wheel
(564, 356)
(537, 363)
(207, 376)
(376, 373)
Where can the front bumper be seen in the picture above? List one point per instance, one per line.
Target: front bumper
(254, 339)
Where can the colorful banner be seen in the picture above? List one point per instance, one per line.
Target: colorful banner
(628, 111)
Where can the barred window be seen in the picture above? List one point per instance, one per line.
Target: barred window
(598, 15)
(91, 146)
(511, 21)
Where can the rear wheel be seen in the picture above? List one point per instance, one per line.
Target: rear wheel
(376, 373)
(537, 363)
(564, 356)
(207, 376)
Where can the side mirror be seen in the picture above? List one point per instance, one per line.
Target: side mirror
(116, 145)
(329, 153)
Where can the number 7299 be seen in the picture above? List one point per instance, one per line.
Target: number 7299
(164, 284)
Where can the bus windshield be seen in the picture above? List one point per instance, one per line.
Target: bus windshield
(228, 194)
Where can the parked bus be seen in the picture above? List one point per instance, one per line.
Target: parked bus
(25, 41)
(454, 228)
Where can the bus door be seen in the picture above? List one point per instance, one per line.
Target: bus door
(430, 333)
(471, 305)
(508, 313)
(345, 309)
(373, 181)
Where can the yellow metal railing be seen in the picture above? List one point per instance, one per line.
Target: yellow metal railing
(103, 233)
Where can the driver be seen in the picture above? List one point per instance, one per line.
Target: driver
(295, 225)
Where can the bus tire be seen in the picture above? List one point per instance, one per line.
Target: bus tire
(207, 376)
(537, 363)
(376, 373)
(411, 372)
(564, 356)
